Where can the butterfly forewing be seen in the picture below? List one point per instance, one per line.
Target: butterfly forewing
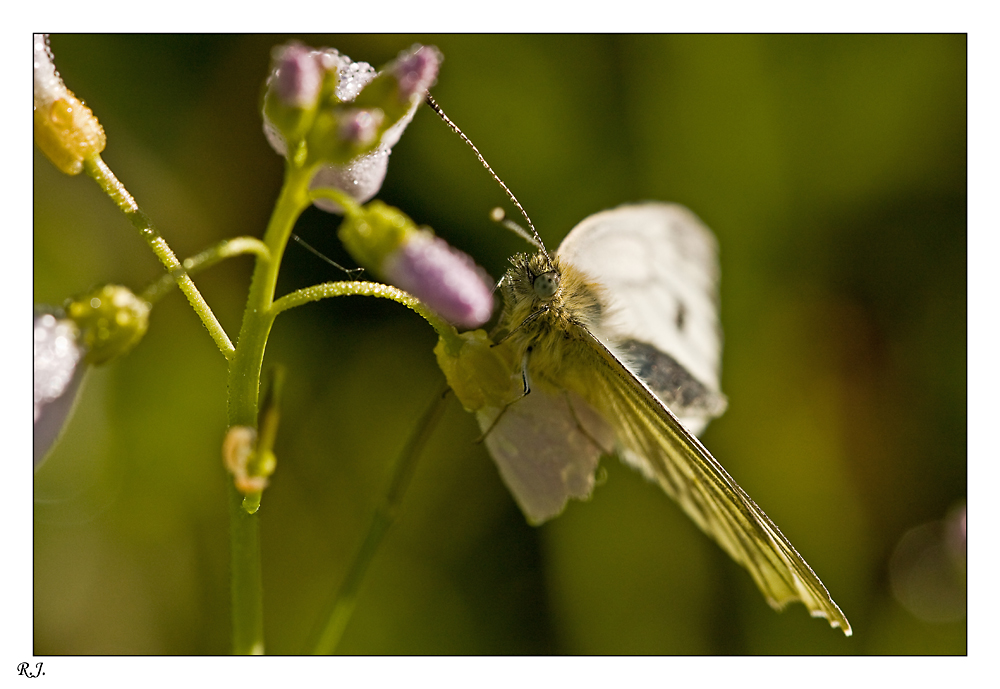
(650, 436)
(657, 265)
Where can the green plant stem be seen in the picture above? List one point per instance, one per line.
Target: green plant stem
(246, 585)
(97, 169)
(367, 289)
(203, 260)
(247, 594)
(244, 367)
(338, 613)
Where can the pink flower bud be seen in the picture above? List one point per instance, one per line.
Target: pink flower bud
(442, 277)
(360, 126)
(413, 72)
(296, 75)
(417, 71)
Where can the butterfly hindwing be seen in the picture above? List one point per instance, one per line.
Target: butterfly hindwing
(657, 265)
(546, 446)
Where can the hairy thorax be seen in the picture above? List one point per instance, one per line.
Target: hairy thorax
(546, 331)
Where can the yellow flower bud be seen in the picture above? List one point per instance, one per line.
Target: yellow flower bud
(65, 129)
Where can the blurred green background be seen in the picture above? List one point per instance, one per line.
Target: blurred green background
(832, 169)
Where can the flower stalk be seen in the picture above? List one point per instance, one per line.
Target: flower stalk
(98, 170)
(247, 594)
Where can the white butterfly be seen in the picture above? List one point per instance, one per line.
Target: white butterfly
(614, 345)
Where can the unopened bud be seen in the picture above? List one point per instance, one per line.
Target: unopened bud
(111, 321)
(239, 455)
(360, 126)
(356, 120)
(417, 70)
(444, 278)
(65, 129)
(387, 242)
(296, 76)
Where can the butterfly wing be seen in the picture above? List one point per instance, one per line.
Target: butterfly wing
(658, 266)
(614, 376)
(650, 437)
(546, 446)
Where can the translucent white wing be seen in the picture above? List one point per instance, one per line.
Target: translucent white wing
(627, 349)
(651, 438)
(546, 447)
(657, 265)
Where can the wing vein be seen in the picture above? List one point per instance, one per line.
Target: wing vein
(658, 442)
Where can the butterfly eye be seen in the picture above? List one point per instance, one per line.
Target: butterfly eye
(546, 285)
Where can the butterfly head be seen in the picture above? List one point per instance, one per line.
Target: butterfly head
(533, 280)
(546, 285)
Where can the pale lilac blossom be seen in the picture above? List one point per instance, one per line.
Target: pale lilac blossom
(415, 71)
(444, 278)
(297, 75)
(361, 178)
(48, 85)
(360, 126)
(57, 375)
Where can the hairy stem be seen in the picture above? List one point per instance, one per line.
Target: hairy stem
(367, 289)
(102, 174)
(227, 248)
(244, 386)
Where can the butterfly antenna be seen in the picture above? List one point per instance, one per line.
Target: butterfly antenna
(534, 238)
(499, 216)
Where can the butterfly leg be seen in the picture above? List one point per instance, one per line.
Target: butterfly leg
(526, 382)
